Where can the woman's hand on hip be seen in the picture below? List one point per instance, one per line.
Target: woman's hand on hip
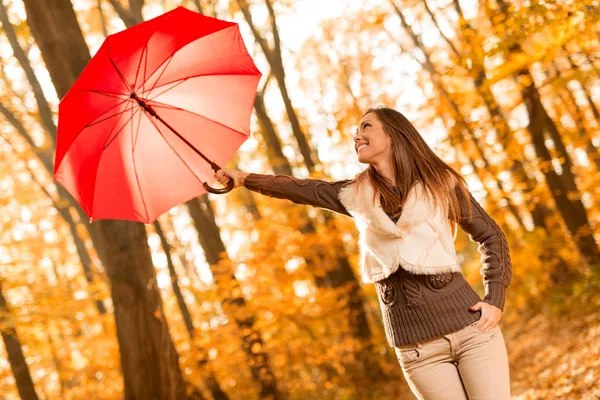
(490, 315)
(224, 174)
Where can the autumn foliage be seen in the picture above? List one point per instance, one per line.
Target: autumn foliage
(248, 296)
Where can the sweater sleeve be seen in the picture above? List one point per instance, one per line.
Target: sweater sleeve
(493, 247)
(313, 192)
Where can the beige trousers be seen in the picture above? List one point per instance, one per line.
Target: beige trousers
(465, 364)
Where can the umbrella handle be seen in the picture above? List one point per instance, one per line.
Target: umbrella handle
(219, 191)
(226, 189)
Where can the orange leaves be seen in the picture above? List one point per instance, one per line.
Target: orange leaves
(256, 348)
(555, 358)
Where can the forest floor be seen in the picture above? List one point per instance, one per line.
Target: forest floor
(555, 357)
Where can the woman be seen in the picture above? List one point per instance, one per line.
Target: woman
(446, 338)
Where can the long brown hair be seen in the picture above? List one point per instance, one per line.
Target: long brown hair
(413, 161)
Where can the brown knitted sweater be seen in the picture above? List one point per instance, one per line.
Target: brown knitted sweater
(414, 307)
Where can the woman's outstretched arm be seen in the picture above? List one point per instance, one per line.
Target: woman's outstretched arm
(313, 192)
(493, 247)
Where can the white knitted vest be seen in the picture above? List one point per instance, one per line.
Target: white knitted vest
(421, 241)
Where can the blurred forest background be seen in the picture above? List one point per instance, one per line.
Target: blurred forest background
(244, 296)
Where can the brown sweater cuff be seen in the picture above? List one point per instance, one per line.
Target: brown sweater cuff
(495, 294)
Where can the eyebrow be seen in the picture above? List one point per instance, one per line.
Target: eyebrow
(364, 122)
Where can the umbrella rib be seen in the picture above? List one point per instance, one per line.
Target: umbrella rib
(138, 130)
(187, 44)
(108, 94)
(175, 152)
(195, 76)
(112, 130)
(167, 89)
(117, 69)
(137, 72)
(161, 74)
(97, 121)
(93, 123)
(156, 29)
(110, 140)
(98, 166)
(134, 141)
(145, 65)
(163, 105)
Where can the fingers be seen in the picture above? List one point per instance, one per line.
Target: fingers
(490, 316)
(222, 177)
(485, 325)
(482, 324)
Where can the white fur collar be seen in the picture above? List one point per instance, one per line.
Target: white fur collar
(421, 241)
(416, 209)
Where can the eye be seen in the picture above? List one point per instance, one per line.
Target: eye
(367, 125)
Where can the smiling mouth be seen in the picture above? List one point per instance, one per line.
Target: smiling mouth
(362, 146)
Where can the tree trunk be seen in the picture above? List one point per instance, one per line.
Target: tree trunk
(203, 359)
(234, 303)
(341, 274)
(149, 361)
(57, 363)
(102, 19)
(185, 312)
(14, 351)
(578, 115)
(148, 358)
(562, 187)
(273, 56)
(130, 16)
(64, 211)
(539, 211)
(461, 120)
(590, 60)
(277, 159)
(44, 152)
(44, 108)
(587, 93)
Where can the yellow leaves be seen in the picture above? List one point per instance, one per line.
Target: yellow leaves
(374, 21)
(256, 348)
(514, 63)
(525, 79)
(498, 18)
(307, 338)
(555, 357)
(468, 62)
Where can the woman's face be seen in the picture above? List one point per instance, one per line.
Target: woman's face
(378, 143)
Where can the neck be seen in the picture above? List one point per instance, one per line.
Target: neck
(384, 168)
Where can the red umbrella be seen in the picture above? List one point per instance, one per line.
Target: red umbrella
(131, 128)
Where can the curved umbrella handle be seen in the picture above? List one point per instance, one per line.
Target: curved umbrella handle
(226, 189)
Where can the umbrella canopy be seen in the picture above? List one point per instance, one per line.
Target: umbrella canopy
(153, 104)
